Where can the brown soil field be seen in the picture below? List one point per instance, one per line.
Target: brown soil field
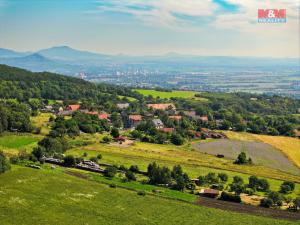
(248, 209)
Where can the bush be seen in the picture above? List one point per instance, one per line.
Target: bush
(110, 171)
(276, 197)
(4, 163)
(130, 175)
(94, 159)
(85, 154)
(225, 196)
(99, 156)
(249, 191)
(14, 159)
(106, 139)
(69, 161)
(266, 202)
(142, 193)
(134, 168)
(123, 168)
(223, 177)
(112, 185)
(287, 186)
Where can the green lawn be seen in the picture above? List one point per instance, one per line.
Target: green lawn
(167, 95)
(30, 196)
(17, 141)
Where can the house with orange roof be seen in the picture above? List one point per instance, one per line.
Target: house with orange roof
(175, 117)
(73, 107)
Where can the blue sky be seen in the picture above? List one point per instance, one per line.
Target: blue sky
(143, 27)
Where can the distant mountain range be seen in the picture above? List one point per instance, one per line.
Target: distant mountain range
(63, 59)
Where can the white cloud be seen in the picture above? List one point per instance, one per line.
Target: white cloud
(161, 12)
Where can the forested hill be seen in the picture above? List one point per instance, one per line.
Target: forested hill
(22, 84)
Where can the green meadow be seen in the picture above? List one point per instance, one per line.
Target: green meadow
(171, 94)
(30, 196)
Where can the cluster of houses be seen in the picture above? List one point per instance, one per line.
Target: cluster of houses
(131, 121)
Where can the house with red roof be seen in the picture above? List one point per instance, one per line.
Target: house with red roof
(133, 121)
(167, 129)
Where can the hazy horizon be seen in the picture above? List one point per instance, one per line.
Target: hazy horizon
(137, 28)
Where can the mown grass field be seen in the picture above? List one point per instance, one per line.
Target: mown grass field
(30, 196)
(260, 153)
(288, 145)
(171, 94)
(12, 143)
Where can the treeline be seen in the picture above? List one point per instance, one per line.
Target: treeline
(15, 116)
(260, 114)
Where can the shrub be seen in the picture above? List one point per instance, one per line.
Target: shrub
(266, 202)
(123, 168)
(223, 177)
(99, 156)
(94, 159)
(106, 139)
(112, 185)
(69, 161)
(142, 193)
(14, 159)
(276, 197)
(134, 168)
(4, 163)
(85, 154)
(287, 186)
(110, 171)
(130, 175)
(225, 196)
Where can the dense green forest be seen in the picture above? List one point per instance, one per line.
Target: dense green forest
(21, 84)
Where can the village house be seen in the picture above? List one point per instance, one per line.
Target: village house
(164, 106)
(48, 108)
(175, 117)
(123, 105)
(203, 119)
(211, 193)
(167, 130)
(158, 123)
(73, 107)
(101, 115)
(133, 120)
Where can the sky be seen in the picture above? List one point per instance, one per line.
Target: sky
(151, 27)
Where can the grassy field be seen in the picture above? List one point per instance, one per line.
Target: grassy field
(193, 162)
(42, 121)
(289, 146)
(171, 94)
(29, 196)
(12, 143)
